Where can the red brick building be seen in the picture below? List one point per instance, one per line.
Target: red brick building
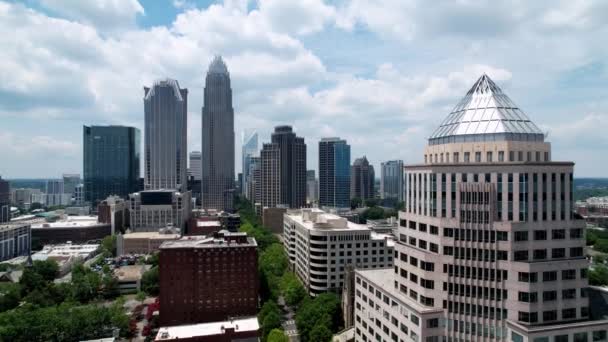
(207, 279)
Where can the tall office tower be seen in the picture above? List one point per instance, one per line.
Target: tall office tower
(312, 187)
(292, 166)
(70, 181)
(270, 175)
(166, 135)
(5, 201)
(362, 179)
(55, 193)
(111, 159)
(249, 150)
(196, 165)
(218, 137)
(391, 180)
(334, 173)
(489, 247)
(254, 186)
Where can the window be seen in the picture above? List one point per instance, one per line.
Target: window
(568, 274)
(511, 156)
(456, 157)
(540, 254)
(434, 230)
(528, 277)
(528, 297)
(520, 255)
(432, 323)
(478, 157)
(501, 156)
(569, 313)
(557, 253)
(550, 276)
(576, 233)
(558, 234)
(528, 317)
(467, 157)
(521, 236)
(560, 338)
(540, 235)
(580, 337)
(489, 156)
(550, 315)
(599, 335)
(569, 294)
(415, 319)
(549, 296)
(576, 252)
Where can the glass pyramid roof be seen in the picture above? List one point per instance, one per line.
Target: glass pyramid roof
(485, 113)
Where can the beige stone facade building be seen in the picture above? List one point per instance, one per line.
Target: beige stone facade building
(489, 248)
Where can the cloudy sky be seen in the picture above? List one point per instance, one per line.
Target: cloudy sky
(379, 73)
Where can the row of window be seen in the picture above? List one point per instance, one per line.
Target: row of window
(551, 315)
(475, 310)
(548, 296)
(596, 336)
(532, 277)
(475, 291)
(541, 254)
(477, 273)
(513, 156)
(540, 235)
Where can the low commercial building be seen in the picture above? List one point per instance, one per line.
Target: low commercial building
(77, 229)
(144, 242)
(66, 254)
(151, 210)
(15, 240)
(203, 227)
(244, 329)
(320, 246)
(203, 279)
(227, 221)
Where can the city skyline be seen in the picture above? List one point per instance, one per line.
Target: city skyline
(304, 83)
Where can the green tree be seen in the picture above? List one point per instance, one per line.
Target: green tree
(150, 280)
(30, 281)
(324, 310)
(277, 335)
(10, 296)
(598, 275)
(267, 308)
(108, 246)
(292, 289)
(36, 206)
(48, 269)
(320, 333)
(371, 202)
(271, 321)
(140, 296)
(273, 260)
(373, 213)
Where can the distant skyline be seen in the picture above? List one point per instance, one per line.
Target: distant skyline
(381, 76)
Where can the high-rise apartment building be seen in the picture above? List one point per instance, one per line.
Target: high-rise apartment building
(312, 187)
(111, 161)
(362, 178)
(391, 180)
(206, 279)
(5, 201)
(334, 173)
(489, 248)
(166, 135)
(217, 137)
(196, 165)
(321, 245)
(292, 167)
(249, 150)
(270, 175)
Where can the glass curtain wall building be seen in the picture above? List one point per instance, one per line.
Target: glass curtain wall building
(334, 173)
(111, 161)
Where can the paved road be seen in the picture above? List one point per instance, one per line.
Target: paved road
(289, 322)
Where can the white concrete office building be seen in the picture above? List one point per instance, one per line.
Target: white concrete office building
(489, 248)
(321, 245)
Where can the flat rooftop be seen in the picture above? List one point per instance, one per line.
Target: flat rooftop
(65, 250)
(207, 329)
(318, 219)
(71, 222)
(131, 272)
(208, 242)
(208, 224)
(151, 235)
(384, 279)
